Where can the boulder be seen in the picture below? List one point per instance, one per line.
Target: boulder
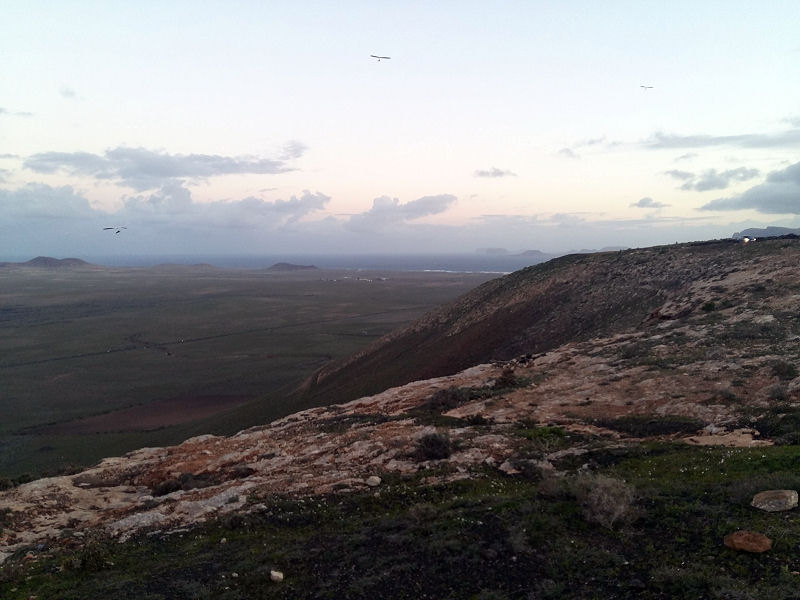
(373, 481)
(775, 500)
(748, 541)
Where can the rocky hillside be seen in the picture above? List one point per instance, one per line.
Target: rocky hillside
(539, 372)
(572, 298)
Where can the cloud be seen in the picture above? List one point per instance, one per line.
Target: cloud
(711, 179)
(686, 156)
(779, 194)
(387, 211)
(42, 202)
(568, 153)
(143, 169)
(648, 202)
(14, 113)
(172, 204)
(660, 140)
(292, 150)
(494, 172)
(682, 175)
(67, 92)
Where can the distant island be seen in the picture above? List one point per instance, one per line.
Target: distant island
(764, 232)
(283, 266)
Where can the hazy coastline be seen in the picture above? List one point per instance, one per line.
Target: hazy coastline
(468, 263)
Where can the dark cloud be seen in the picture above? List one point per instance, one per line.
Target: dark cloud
(143, 169)
(660, 140)
(779, 194)
(711, 179)
(494, 172)
(648, 202)
(389, 211)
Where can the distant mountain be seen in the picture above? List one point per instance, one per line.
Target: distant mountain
(764, 232)
(538, 255)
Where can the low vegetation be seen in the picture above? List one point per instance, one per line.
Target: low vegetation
(646, 522)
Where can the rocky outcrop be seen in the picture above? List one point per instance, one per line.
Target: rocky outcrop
(748, 541)
(775, 500)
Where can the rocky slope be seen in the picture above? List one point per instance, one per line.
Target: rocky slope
(697, 343)
(537, 309)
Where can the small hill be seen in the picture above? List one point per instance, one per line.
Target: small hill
(48, 262)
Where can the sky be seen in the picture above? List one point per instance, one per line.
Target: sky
(252, 127)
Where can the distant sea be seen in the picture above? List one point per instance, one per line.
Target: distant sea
(456, 263)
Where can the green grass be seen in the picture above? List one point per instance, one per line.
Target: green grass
(491, 537)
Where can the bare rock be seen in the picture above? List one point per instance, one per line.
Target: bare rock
(276, 576)
(373, 481)
(748, 541)
(775, 500)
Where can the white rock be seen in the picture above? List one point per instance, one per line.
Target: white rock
(373, 481)
(276, 576)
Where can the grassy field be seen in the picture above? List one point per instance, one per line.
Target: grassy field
(78, 343)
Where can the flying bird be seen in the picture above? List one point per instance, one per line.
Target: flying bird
(117, 229)
(646, 87)
(380, 57)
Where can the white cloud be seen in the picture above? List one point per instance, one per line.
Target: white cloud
(660, 140)
(67, 92)
(142, 169)
(494, 172)
(711, 179)
(648, 202)
(388, 211)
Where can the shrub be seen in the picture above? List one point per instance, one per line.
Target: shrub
(650, 425)
(445, 399)
(434, 446)
(604, 500)
(784, 370)
(508, 379)
(778, 392)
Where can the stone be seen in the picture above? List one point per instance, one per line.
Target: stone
(276, 576)
(775, 500)
(748, 541)
(373, 481)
